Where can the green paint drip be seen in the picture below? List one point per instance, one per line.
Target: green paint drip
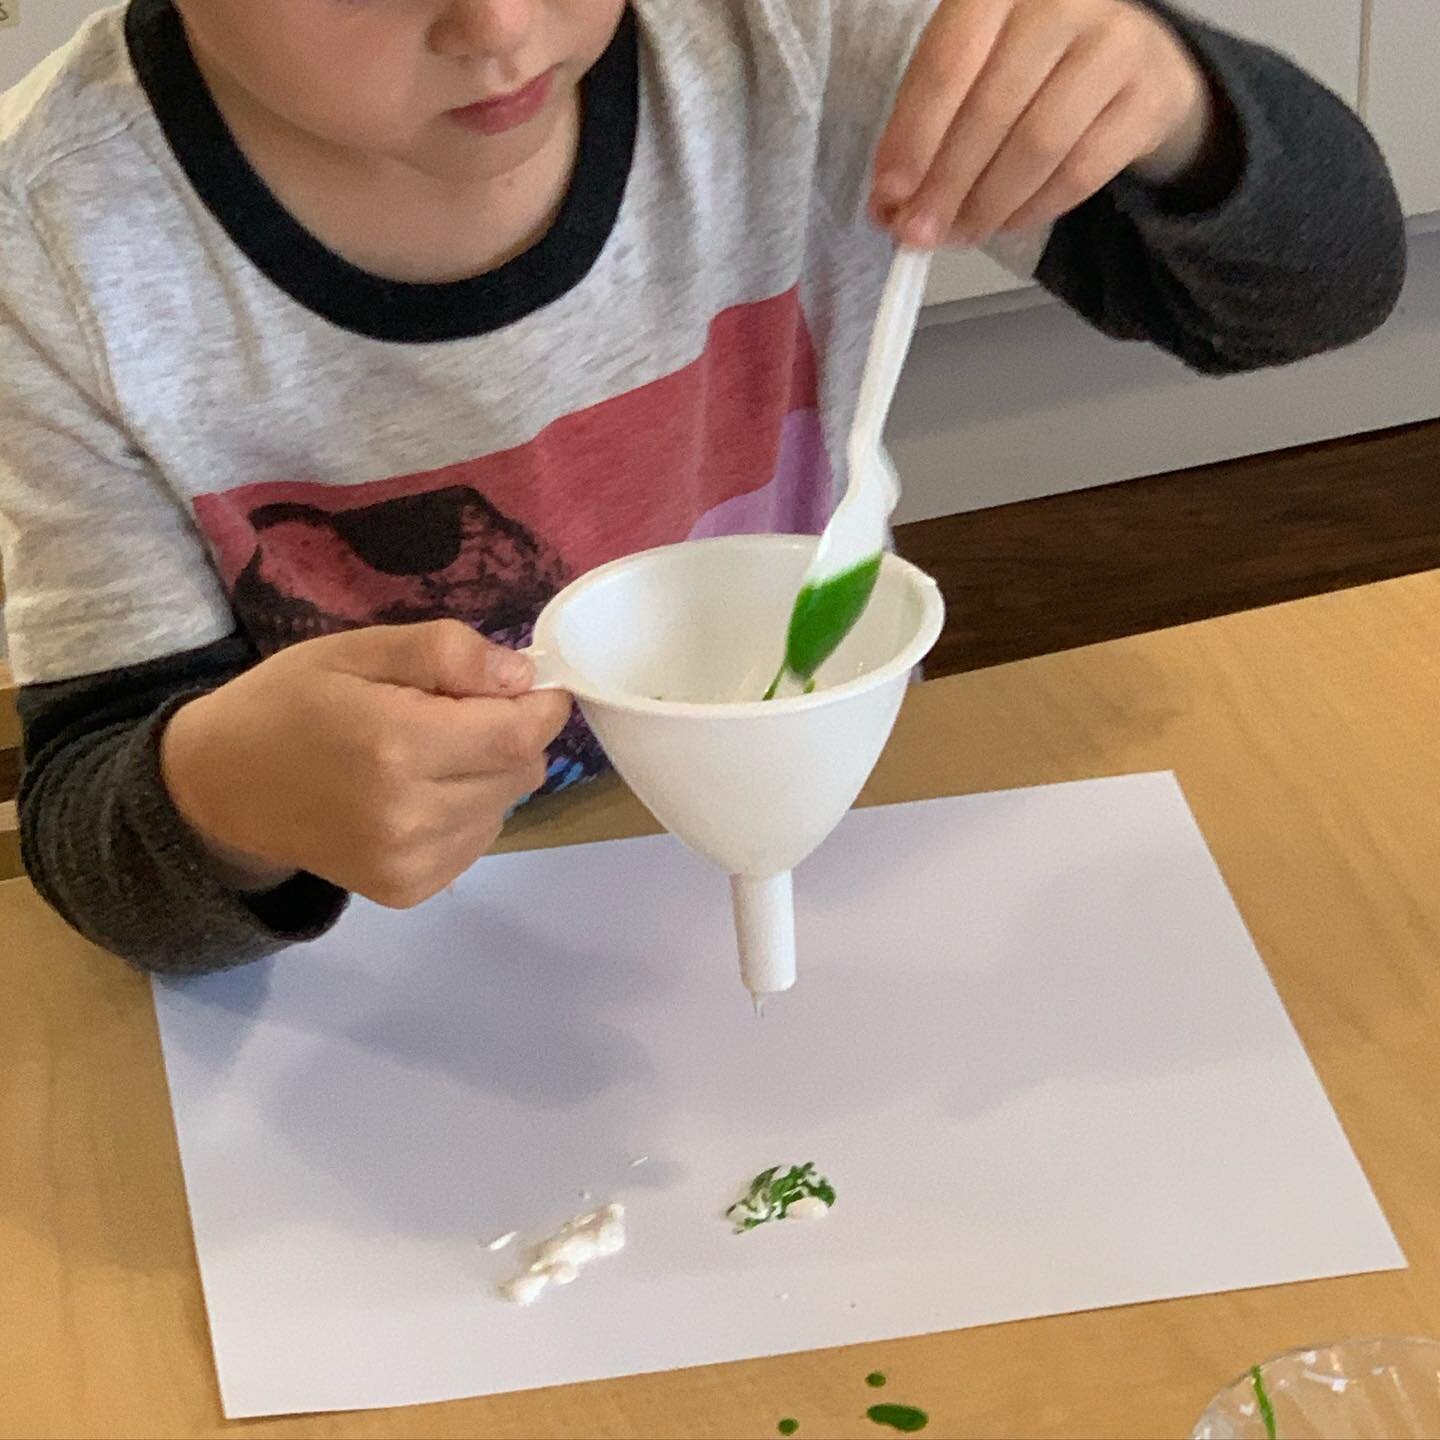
(788, 1426)
(875, 1380)
(824, 615)
(904, 1418)
(1262, 1399)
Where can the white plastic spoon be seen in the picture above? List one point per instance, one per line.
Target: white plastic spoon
(841, 577)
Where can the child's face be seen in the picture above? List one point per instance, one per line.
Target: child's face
(394, 78)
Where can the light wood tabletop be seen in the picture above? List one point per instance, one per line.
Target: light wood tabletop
(1305, 737)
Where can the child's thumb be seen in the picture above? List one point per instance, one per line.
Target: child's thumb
(441, 657)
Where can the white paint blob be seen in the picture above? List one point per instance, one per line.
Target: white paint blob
(559, 1260)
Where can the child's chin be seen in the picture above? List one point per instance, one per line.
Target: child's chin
(462, 154)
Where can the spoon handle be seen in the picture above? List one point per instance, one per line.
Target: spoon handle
(890, 344)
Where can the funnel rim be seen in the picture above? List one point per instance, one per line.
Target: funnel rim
(927, 632)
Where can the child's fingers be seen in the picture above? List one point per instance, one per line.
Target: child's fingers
(533, 724)
(474, 809)
(405, 876)
(440, 657)
(466, 739)
(1042, 141)
(1021, 62)
(1102, 153)
(951, 55)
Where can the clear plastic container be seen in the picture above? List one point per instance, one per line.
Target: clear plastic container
(1387, 1388)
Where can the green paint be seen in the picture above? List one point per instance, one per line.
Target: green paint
(824, 615)
(875, 1380)
(1262, 1399)
(904, 1418)
(788, 1426)
(772, 1192)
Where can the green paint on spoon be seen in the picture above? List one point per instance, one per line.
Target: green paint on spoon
(1262, 1399)
(904, 1418)
(875, 1380)
(788, 1426)
(824, 615)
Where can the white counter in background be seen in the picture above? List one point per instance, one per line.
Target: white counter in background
(1001, 404)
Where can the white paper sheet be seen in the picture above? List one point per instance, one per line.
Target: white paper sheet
(1032, 1045)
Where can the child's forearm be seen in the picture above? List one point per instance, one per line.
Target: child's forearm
(103, 843)
(1305, 252)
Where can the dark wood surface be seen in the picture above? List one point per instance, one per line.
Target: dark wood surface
(9, 738)
(1069, 570)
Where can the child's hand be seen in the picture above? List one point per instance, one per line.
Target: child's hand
(1013, 112)
(384, 760)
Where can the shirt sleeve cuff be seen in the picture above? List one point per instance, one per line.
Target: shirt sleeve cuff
(303, 908)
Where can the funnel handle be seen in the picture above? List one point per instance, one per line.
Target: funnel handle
(550, 673)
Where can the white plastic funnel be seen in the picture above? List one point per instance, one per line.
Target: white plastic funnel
(653, 645)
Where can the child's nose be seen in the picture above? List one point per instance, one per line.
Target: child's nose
(484, 29)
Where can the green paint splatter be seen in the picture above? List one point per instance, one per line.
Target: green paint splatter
(773, 1192)
(875, 1380)
(904, 1418)
(788, 1426)
(1262, 1398)
(824, 615)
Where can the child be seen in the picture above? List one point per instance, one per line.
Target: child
(336, 335)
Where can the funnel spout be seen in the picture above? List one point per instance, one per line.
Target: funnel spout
(765, 931)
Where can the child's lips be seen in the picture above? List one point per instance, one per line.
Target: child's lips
(506, 112)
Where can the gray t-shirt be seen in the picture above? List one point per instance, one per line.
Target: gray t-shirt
(182, 364)
(218, 438)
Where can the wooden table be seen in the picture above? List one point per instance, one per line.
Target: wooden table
(1306, 739)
